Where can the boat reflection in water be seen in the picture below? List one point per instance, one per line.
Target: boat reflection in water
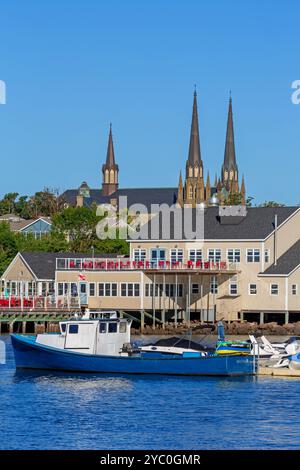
(103, 346)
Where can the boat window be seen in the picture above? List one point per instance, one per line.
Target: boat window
(112, 327)
(102, 328)
(73, 329)
(63, 327)
(122, 328)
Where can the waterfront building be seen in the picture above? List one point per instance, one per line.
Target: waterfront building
(194, 190)
(246, 267)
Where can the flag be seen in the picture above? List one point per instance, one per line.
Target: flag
(81, 277)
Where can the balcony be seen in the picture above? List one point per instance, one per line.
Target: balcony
(89, 264)
(39, 303)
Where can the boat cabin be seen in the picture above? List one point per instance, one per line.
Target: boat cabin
(104, 336)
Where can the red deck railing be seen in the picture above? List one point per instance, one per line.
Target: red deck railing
(121, 265)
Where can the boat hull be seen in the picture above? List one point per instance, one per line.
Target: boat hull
(31, 355)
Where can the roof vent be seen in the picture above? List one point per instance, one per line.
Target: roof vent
(232, 211)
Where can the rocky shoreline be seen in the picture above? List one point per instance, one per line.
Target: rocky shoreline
(233, 328)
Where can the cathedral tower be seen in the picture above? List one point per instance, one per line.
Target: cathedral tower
(110, 171)
(230, 173)
(194, 187)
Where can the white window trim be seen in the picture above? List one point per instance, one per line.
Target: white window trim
(104, 290)
(292, 285)
(249, 291)
(195, 250)
(253, 249)
(273, 284)
(176, 251)
(214, 250)
(130, 296)
(234, 250)
(234, 283)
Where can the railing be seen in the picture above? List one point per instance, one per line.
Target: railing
(87, 264)
(13, 302)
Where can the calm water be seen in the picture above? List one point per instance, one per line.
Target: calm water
(71, 411)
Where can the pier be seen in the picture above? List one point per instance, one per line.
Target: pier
(278, 372)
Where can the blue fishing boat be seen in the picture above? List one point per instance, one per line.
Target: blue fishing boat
(103, 346)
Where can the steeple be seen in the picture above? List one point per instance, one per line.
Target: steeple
(207, 188)
(110, 155)
(229, 167)
(110, 171)
(194, 157)
(180, 192)
(243, 191)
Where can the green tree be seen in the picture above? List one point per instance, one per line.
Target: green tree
(271, 204)
(8, 246)
(78, 225)
(8, 203)
(44, 203)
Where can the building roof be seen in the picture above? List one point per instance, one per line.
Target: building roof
(145, 196)
(20, 225)
(287, 262)
(43, 264)
(257, 224)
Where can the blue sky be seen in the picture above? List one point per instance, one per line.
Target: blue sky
(73, 66)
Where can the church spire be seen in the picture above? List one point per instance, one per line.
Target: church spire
(229, 155)
(194, 157)
(110, 171)
(110, 155)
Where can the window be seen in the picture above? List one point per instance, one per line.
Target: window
(294, 289)
(253, 255)
(130, 289)
(92, 289)
(233, 290)
(62, 288)
(274, 289)
(102, 328)
(139, 254)
(74, 291)
(123, 327)
(195, 255)
(267, 256)
(107, 289)
(101, 289)
(252, 289)
(176, 254)
(63, 327)
(170, 290)
(233, 287)
(213, 285)
(195, 288)
(73, 329)
(113, 327)
(214, 254)
(233, 255)
(158, 254)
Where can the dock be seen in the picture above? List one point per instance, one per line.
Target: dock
(278, 372)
